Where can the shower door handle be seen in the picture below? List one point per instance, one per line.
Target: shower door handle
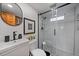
(54, 32)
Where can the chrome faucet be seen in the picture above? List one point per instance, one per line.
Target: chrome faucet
(14, 35)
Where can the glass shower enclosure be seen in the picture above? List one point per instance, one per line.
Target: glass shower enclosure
(59, 30)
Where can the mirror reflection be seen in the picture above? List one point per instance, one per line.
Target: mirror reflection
(11, 13)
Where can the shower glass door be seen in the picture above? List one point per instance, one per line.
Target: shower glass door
(65, 30)
(59, 31)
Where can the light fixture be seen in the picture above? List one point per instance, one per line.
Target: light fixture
(10, 5)
(53, 19)
(60, 18)
(57, 18)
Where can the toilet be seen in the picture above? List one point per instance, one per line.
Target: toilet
(38, 52)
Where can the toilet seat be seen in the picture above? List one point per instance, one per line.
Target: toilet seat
(38, 52)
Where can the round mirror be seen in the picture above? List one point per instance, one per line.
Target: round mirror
(11, 13)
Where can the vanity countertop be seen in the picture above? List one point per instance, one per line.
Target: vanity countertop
(32, 41)
(8, 45)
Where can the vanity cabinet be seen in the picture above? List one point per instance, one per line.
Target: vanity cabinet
(19, 50)
(33, 44)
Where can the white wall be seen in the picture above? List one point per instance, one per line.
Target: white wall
(28, 12)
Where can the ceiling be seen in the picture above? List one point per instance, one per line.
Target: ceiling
(41, 7)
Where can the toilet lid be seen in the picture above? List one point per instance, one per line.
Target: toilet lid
(38, 52)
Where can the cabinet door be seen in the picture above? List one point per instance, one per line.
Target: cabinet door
(20, 50)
